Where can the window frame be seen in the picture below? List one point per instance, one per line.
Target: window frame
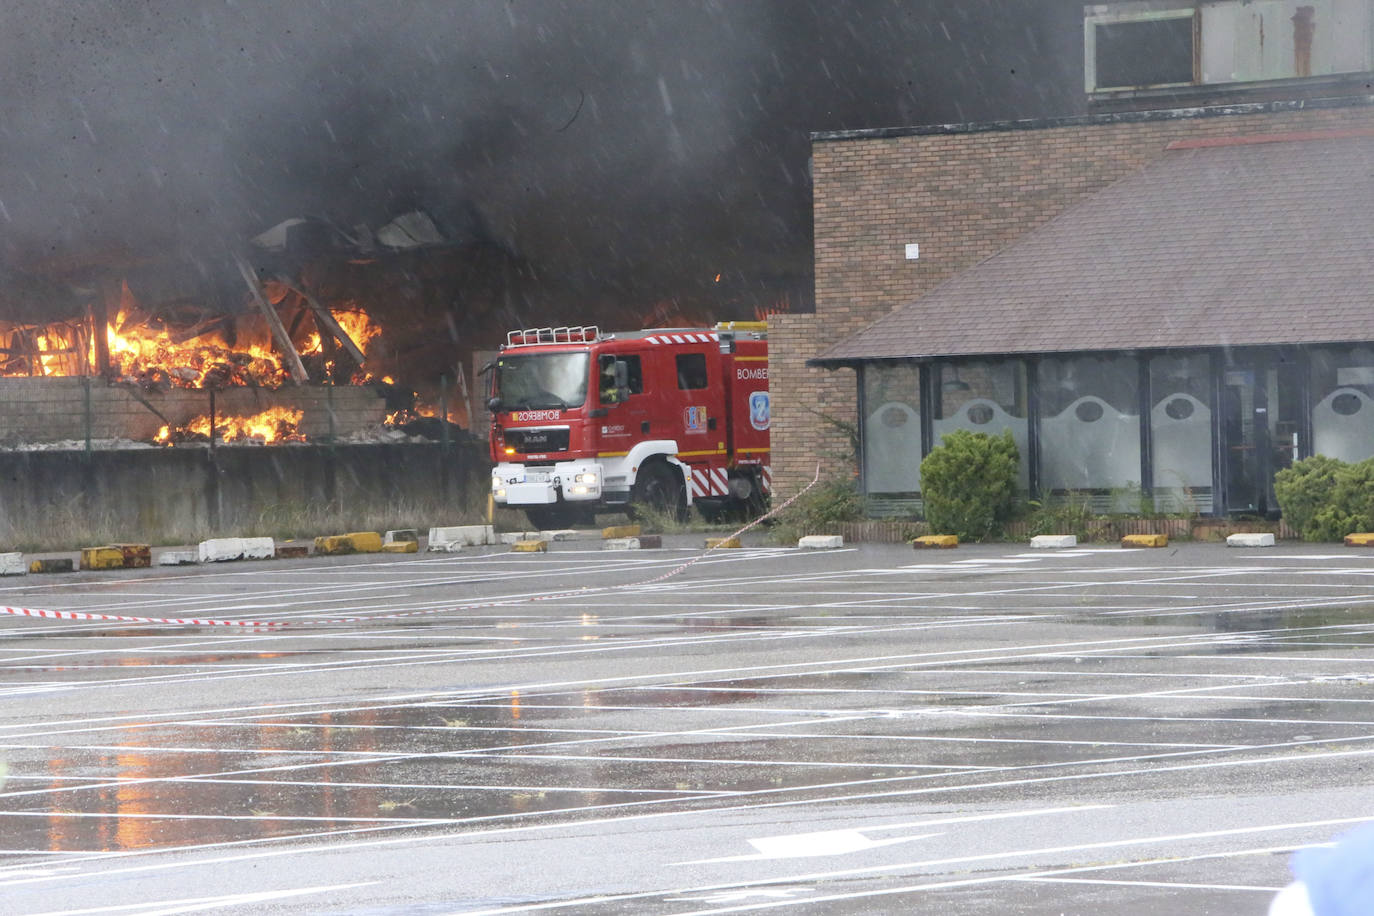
(1127, 16)
(683, 369)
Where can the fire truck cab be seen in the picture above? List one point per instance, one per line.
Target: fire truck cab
(585, 421)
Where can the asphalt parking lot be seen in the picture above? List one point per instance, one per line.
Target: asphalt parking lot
(875, 729)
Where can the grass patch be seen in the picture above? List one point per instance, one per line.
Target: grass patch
(831, 502)
(662, 521)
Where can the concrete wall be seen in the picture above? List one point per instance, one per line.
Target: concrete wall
(54, 409)
(963, 193)
(154, 491)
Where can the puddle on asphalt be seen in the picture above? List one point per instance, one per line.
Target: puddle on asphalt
(677, 697)
(398, 768)
(140, 797)
(137, 788)
(731, 623)
(160, 662)
(509, 755)
(1246, 621)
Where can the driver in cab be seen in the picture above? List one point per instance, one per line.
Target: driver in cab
(610, 394)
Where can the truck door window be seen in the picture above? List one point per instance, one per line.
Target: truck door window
(634, 377)
(691, 371)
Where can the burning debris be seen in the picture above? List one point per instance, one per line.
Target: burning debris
(303, 314)
(55, 349)
(171, 362)
(322, 352)
(274, 425)
(153, 357)
(157, 352)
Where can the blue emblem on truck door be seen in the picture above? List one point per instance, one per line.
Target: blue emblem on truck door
(758, 410)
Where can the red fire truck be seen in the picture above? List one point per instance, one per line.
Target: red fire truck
(584, 421)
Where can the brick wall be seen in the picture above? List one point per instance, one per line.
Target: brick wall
(962, 194)
(35, 410)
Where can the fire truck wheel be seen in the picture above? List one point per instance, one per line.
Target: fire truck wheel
(659, 487)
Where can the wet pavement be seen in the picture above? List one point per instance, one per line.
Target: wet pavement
(988, 729)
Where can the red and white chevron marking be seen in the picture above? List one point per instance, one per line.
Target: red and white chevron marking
(682, 338)
(768, 478)
(709, 482)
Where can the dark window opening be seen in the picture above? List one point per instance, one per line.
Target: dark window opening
(691, 371)
(1149, 53)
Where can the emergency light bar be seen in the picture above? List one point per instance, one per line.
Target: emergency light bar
(585, 334)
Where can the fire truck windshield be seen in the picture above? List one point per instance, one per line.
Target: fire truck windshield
(542, 380)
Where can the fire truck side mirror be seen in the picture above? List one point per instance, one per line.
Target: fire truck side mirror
(494, 404)
(622, 375)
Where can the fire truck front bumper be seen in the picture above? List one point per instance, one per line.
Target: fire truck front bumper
(568, 481)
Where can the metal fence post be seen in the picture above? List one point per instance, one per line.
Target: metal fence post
(443, 435)
(89, 420)
(214, 497)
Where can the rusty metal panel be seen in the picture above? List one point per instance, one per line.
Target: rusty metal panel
(1349, 34)
(1283, 39)
(1217, 43)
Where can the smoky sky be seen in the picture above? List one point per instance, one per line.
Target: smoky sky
(641, 144)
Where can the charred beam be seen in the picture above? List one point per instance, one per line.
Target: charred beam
(293, 359)
(326, 320)
(100, 334)
(217, 323)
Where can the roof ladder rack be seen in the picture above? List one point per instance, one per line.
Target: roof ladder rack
(575, 334)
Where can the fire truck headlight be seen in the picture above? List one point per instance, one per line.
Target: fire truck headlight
(587, 478)
(498, 492)
(580, 491)
(510, 450)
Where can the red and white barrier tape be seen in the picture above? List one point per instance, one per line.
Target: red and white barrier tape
(272, 624)
(121, 618)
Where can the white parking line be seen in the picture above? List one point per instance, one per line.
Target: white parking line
(963, 862)
(194, 904)
(653, 621)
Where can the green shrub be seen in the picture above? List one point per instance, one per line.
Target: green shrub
(968, 484)
(1350, 506)
(1304, 491)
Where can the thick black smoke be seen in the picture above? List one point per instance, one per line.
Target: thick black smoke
(638, 147)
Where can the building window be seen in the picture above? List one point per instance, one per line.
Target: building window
(1181, 432)
(1136, 48)
(892, 438)
(1090, 430)
(1150, 44)
(1342, 387)
(982, 396)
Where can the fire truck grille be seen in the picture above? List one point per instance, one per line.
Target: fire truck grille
(528, 441)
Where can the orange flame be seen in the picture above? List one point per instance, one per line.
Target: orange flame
(138, 352)
(276, 424)
(781, 307)
(357, 325)
(142, 351)
(54, 350)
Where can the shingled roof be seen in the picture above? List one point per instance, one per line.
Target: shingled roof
(1261, 240)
